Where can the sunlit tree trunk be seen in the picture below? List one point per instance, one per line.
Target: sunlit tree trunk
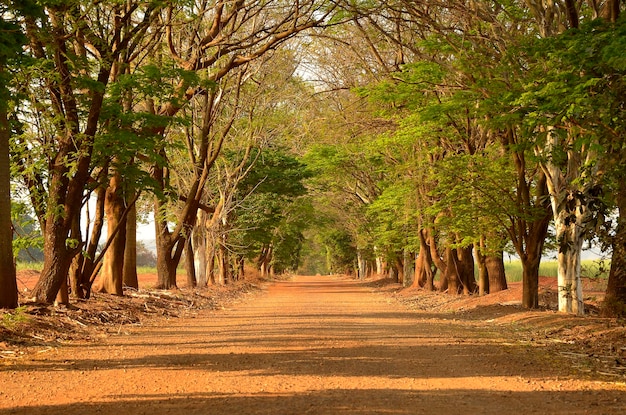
(199, 238)
(129, 272)
(466, 269)
(495, 271)
(111, 278)
(570, 290)
(361, 265)
(424, 276)
(569, 188)
(190, 263)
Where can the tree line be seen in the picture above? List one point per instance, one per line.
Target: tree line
(391, 133)
(473, 128)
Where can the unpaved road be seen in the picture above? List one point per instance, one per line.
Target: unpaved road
(315, 345)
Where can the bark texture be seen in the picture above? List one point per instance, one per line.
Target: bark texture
(8, 282)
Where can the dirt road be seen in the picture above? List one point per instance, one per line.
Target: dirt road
(315, 345)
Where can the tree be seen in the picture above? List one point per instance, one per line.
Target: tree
(231, 36)
(12, 41)
(575, 118)
(76, 46)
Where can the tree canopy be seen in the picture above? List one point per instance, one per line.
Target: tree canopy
(400, 137)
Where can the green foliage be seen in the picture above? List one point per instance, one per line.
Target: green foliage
(12, 319)
(340, 250)
(27, 238)
(272, 208)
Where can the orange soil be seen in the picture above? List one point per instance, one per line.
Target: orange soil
(326, 345)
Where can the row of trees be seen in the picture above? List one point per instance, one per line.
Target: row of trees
(434, 134)
(473, 127)
(126, 101)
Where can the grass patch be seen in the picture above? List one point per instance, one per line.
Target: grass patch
(23, 266)
(13, 318)
(589, 269)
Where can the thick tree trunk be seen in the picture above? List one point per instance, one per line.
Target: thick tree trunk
(530, 280)
(528, 233)
(265, 260)
(615, 299)
(240, 268)
(58, 258)
(378, 263)
(8, 282)
(495, 271)
(200, 262)
(166, 266)
(570, 291)
(210, 268)
(129, 273)
(424, 276)
(450, 279)
(398, 267)
(112, 277)
(466, 269)
(63, 296)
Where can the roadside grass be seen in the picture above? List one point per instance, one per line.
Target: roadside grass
(593, 269)
(24, 266)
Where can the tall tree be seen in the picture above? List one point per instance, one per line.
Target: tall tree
(220, 39)
(76, 45)
(12, 40)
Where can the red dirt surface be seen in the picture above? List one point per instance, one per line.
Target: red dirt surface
(319, 345)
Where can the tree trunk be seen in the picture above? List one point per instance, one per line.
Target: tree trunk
(199, 245)
(570, 291)
(441, 265)
(424, 275)
(111, 278)
(190, 264)
(265, 260)
(530, 281)
(87, 262)
(210, 268)
(8, 282)
(495, 271)
(450, 279)
(222, 265)
(528, 233)
(398, 266)
(58, 258)
(166, 265)
(615, 299)
(378, 262)
(63, 296)
(465, 269)
(241, 262)
(129, 273)
(483, 273)
(362, 265)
